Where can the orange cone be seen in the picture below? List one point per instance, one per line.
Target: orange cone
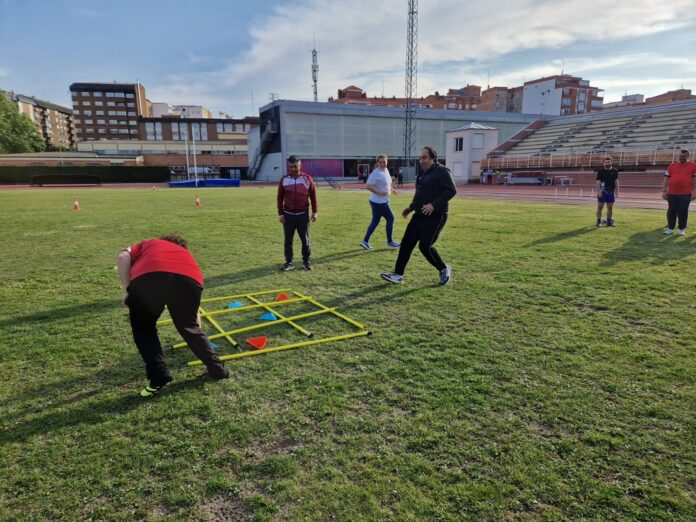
(257, 342)
(75, 204)
(198, 200)
(282, 297)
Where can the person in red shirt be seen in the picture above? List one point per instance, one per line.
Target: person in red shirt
(295, 192)
(679, 191)
(162, 272)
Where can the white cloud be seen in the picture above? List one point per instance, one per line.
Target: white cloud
(455, 39)
(3, 73)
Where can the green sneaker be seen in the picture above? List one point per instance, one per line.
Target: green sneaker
(151, 391)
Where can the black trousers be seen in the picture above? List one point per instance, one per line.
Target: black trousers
(678, 207)
(297, 223)
(147, 297)
(424, 231)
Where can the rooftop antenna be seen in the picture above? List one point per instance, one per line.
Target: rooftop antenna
(382, 88)
(488, 82)
(562, 66)
(252, 102)
(315, 68)
(272, 96)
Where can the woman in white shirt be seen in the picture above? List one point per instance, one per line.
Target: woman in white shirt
(379, 184)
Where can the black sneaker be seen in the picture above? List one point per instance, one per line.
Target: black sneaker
(445, 275)
(307, 265)
(599, 223)
(287, 266)
(610, 223)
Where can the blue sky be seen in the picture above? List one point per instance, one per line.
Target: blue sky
(217, 53)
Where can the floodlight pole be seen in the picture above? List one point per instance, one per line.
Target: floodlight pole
(411, 83)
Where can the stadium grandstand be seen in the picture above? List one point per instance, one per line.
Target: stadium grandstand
(641, 140)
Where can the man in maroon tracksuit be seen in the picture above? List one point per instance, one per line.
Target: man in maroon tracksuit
(295, 192)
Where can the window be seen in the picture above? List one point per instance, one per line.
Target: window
(131, 122)
(97, 94)
(478, 139)
(100, 113)
(122, 122)
(86, 103)
(154, 131)
(134, 131)
(113, 131)
(130, 95)
(458, 144)
(85, 93)
(89, 130)
(219, 128)
(89, 122)
(196, 130)
(101, 131)
(101, 122)
(113, 122)
(130, 104)
(76, 112)
(111, 104)
(204, 132)
(175, 131)
(98, 103)
(131, 113)
(582, 95)
(566, 101)
(87, 113)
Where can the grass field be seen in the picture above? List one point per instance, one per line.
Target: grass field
(552, 380)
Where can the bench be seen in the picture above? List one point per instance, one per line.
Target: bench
(524, 181)
(65, 179)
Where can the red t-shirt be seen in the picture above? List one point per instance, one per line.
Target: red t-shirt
(158, 255)
(681, 178)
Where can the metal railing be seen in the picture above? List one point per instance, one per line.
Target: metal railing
(630, 156)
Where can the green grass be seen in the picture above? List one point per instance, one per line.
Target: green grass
(552, 380)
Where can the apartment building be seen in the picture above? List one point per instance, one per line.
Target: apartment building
(108, 111)
(560, 95)
(53, 122)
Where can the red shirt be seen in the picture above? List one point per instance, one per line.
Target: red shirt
(295, 194)
(681, 178)
(158, 255)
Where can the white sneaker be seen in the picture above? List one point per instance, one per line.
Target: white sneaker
(668, 232)
(397, 279)
(682, 232)
(365, 245)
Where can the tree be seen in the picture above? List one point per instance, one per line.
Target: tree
(17, 132)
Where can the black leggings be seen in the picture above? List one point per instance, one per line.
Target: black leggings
(424, 231)
(147, 297)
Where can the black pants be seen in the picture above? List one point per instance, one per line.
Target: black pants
(678, 207)
(423, 230)
(299, 223)
(147, 297)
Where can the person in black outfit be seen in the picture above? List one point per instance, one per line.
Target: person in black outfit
(434, 188)
(607, 191)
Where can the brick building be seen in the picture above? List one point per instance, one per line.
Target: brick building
(562, 95)
(466, 99)
(53, 122)
(108, 111)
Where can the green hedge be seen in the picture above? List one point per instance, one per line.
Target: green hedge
(120, 174)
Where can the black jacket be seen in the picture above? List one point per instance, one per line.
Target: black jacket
(434, 186)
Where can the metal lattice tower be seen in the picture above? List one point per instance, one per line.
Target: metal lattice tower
(315, 69)
(411, 83)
